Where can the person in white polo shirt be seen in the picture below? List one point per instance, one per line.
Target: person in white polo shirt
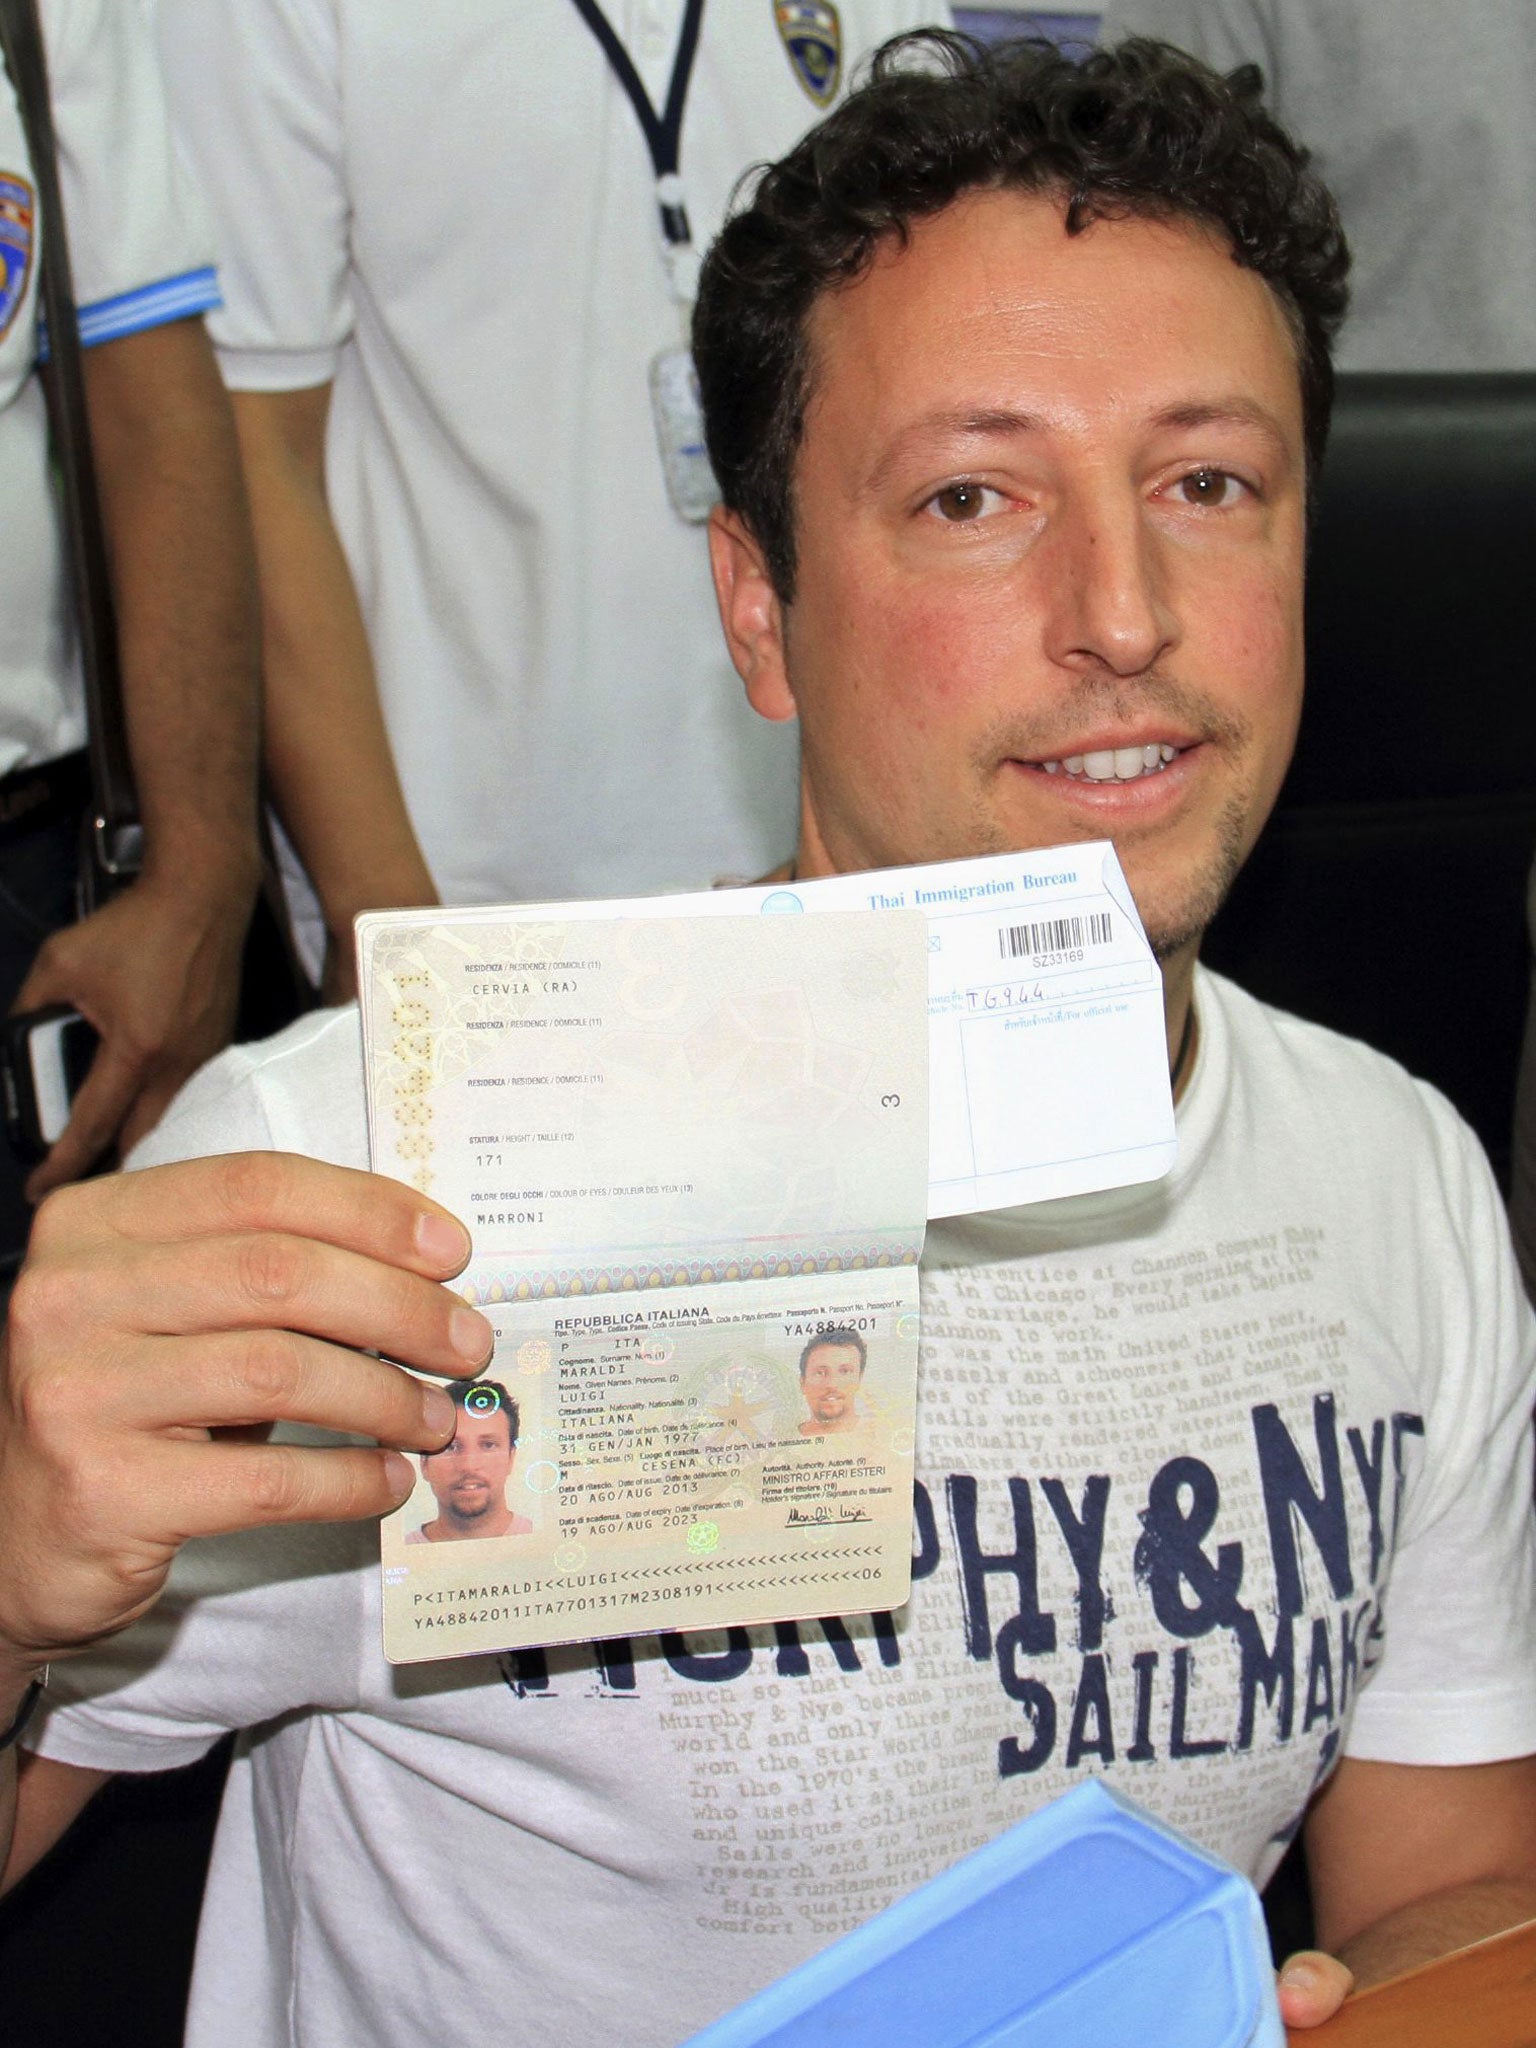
(448, 290)
(156, 971)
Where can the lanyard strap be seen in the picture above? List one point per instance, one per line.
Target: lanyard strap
(118, 833)
(663, 132)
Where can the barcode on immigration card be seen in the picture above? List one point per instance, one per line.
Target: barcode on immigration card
(1055, 935)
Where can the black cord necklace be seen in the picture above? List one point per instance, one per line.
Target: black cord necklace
(1181, 1059)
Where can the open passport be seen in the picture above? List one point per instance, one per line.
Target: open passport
(696, 1140)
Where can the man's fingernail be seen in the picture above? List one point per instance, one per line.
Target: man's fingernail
(471, 1335)
(1297, 1975)
(437, 1411)
(400, 1475)
(441, 1240)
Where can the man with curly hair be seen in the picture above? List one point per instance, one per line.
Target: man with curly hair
(831, 1373)
(1015, 374)
(470, 1475)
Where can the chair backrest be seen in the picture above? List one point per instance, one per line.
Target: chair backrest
(1387, 896)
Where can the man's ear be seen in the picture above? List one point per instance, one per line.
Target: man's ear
(750, 613)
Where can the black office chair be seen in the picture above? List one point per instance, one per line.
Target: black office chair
(1387, 896)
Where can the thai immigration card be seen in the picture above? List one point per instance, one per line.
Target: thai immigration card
(693, 1156)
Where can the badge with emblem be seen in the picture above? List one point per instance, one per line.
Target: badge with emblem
(679, 418)
(813, 36)
(17, 207)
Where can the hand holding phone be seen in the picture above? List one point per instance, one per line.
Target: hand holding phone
(45, 1056)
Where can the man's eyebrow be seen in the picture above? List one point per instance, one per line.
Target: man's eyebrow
(981, 423)
(977, 423)
(1223, 412)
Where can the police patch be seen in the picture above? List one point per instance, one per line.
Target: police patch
(813, 36)
(17, 207)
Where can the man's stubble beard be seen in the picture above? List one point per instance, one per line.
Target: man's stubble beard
(975, 828)
(1173, 927)
(1184, 927)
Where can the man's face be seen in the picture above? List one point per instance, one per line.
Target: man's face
(831, 1383)
(1049, 520)
(469, 1476)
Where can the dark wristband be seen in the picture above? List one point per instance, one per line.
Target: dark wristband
(29, 1700)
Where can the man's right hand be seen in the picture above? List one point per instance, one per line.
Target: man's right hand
(163, 1321)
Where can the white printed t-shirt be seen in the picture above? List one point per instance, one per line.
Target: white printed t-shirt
(1218, 1479)
(449, 213)
(139, 254)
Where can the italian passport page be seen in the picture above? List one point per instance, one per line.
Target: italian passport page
(696, 1140)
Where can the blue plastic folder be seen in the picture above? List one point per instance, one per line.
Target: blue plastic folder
(1089, 1925)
